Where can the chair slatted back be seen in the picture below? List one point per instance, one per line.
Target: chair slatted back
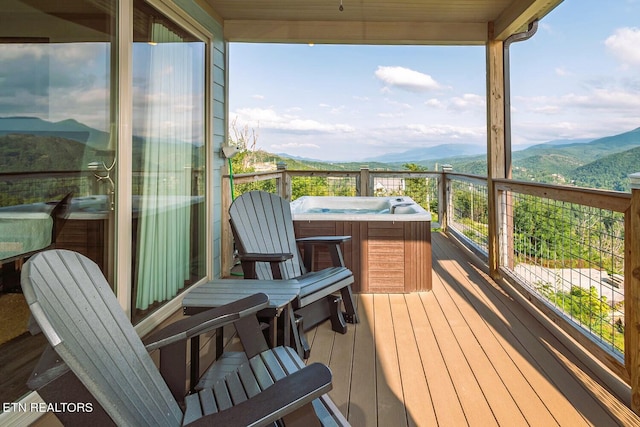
(80, 316)
(262, 223)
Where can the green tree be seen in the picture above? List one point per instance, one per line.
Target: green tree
(416, 188)
(542, 230)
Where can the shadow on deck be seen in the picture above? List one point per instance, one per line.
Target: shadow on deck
(464, 354)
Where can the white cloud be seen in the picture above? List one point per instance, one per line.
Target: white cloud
(433, 102)
(333, 110)
(468, 100)
(12, 52)
(390, 115)
(624, 45)
(563, 72)
(547, 109)
(406, 79)
(294, 145)
(609, 100)
(258, 97)
(400, 105)
(269, 119)
(446, 132)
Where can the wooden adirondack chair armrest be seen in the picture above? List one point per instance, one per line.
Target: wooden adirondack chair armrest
(206, 321)
(254, 257)
(333, 244)
(249, 260)
(276, 401)
(324, 240)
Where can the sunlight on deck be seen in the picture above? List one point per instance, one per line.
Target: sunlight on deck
(463, 354)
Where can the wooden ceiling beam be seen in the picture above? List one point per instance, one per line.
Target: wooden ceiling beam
(519, 14)
(355, 32)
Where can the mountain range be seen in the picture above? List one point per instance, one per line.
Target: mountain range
(600, 163)
(68, 129)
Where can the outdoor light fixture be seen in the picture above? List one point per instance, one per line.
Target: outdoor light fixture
(228, 151)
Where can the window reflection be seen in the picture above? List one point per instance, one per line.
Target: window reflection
(168, 161)
(56, 115)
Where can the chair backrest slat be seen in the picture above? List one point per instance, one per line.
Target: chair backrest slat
(262, 223)
(78, 312)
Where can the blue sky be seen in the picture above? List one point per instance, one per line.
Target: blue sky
(578, 77)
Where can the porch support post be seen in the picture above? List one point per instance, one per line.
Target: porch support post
(496, 159)
(226, 238)
(632, 292)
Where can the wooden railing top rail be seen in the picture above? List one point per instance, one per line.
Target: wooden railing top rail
(243, 178)
(467, 177)
(616, 201)
(602, 199)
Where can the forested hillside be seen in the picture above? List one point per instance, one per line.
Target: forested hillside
(611, 172)
(19, 153)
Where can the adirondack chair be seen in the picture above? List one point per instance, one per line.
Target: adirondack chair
(262, 227)
(76, 310)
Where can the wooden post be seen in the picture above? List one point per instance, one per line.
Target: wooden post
(282, 181)
(495, 142)
(365, 188)
(226, 241)
(288, 190)
(632, 292)
(443, 195)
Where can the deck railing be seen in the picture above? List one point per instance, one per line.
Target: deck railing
(563, 247)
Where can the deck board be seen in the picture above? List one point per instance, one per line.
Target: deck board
(391, 409)
(415, 389)
(444, 398)
(363, 394)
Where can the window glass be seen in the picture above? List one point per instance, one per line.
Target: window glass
(57, 150)
(168, 160)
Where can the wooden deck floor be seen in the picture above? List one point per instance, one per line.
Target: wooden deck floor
(463, 354)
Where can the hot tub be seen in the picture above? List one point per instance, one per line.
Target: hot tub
(390, 247)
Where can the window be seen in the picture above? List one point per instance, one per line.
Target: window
(168, 159)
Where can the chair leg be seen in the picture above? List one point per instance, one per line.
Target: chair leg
(304, 350)
(327, 307)
(337, 319)
(350, 315)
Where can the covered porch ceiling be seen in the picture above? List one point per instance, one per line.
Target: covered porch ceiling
(429, 22)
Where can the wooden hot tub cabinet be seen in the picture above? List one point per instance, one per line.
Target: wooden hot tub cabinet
(385, 256)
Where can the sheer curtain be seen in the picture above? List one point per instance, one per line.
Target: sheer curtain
(164, 204)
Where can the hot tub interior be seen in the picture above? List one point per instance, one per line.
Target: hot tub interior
(362, 205)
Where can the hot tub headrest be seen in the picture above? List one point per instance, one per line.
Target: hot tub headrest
(398, 208)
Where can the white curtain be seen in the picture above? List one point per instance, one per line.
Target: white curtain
(164, 206)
